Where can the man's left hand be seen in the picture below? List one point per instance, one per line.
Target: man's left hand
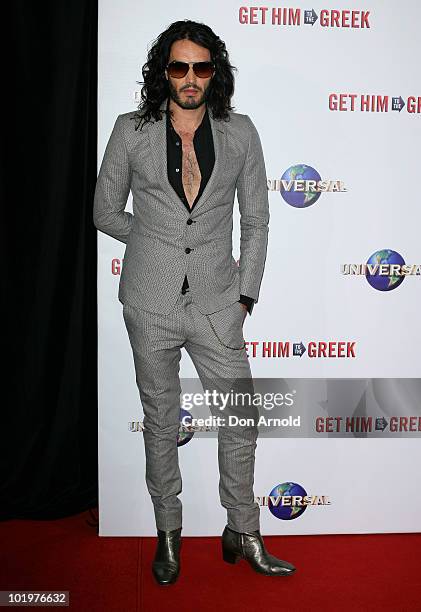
(245, 311)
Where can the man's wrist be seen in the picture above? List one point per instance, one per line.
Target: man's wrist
(248, 301)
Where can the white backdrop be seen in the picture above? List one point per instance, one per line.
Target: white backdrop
(286, 75)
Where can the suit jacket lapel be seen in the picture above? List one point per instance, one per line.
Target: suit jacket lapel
(158, 150)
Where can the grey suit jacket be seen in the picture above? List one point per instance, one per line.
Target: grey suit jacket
(163, 241)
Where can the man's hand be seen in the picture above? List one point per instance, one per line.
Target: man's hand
(247, 301)
(245, 311)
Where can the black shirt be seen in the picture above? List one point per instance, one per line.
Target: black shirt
(205, 154)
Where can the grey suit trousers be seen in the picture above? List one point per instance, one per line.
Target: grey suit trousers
(215, 343)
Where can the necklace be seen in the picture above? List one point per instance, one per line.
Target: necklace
(180, 130)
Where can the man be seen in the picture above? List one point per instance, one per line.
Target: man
(180, 285)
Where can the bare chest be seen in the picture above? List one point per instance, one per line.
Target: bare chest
(191, 175)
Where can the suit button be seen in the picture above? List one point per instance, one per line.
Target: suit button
(189, 221)
(188, 250)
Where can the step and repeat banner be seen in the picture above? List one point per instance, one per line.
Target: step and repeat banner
(333, 342)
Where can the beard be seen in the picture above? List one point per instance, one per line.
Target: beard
(188, 102)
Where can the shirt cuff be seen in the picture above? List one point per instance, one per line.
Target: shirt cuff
(248, 301)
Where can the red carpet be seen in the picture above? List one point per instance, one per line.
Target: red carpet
(334, 573)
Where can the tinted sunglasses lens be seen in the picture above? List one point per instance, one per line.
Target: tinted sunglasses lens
(178, 70)
(203, 69)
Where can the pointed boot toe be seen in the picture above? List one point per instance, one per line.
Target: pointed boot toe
(250, 546)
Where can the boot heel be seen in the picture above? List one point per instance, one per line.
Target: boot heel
(229, 557)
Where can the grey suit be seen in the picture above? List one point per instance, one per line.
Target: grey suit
(164, 243)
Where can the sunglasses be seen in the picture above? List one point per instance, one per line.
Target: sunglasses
(178, 70)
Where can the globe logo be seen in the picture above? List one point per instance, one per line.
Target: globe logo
(184, 436)
(300, 199)
(289, 511)
(383, 282)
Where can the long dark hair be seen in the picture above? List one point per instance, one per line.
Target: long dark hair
(155, 86)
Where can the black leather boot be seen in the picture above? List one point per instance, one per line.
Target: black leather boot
(166, 565)
(249, 546)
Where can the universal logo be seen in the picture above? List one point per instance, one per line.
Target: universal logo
(385, 270)
(301, 186)
(289, 500)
